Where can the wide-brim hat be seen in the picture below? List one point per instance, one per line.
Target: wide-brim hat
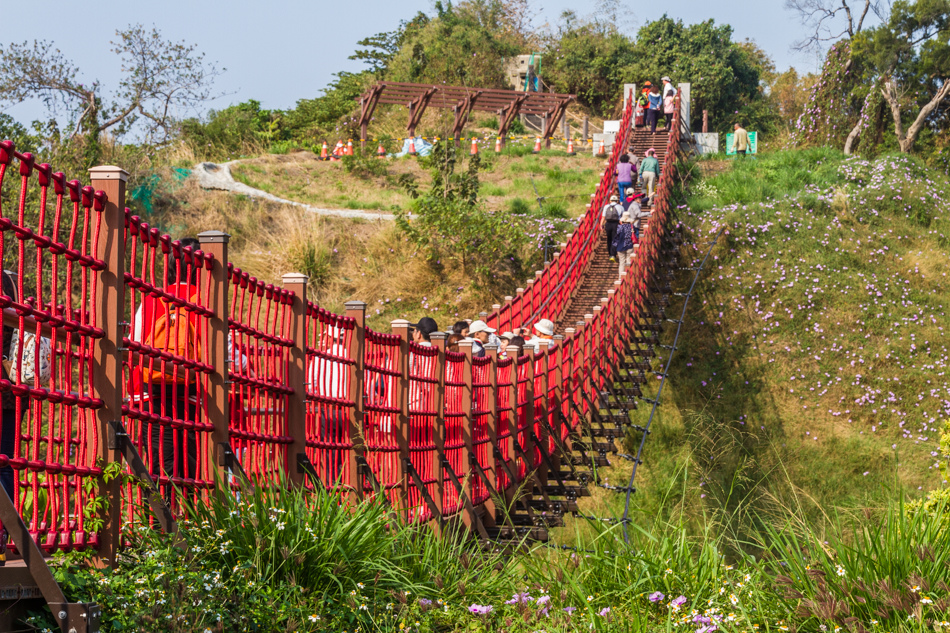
(666, 79)
(480, 326)
(545, 326)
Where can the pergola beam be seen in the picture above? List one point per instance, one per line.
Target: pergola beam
(417, 107)
(463, 101)
(554, 116)
(462, 112)
(508, 115)
(367, 107)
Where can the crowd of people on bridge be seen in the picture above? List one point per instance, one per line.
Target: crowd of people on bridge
(653, 102)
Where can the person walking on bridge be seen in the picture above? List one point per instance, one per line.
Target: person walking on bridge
(626, 174)
(624, 241)
(653, 113)
(609, 219)
(650, 170)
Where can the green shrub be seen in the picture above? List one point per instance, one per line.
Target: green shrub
(365, 165)
(519, 206)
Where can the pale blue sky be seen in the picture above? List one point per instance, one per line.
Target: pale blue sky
(280, 51)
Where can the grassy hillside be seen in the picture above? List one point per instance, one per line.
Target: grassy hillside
(811, 374)
(371, 260)
(508, 181)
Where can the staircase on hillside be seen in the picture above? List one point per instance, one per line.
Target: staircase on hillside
(601, 272)
(572, 468)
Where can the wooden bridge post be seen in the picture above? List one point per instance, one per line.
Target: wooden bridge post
(468, 518)
(219, 387)
(400, 402)
(438, 431)
(297, 378)
(107, 357)
(356, 310)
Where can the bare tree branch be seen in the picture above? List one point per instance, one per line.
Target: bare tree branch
(829, 20)
(161, 80)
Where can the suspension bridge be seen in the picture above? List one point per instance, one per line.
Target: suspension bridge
(278, 390)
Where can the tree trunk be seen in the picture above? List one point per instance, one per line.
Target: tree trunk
(906, 141)
(852, 138)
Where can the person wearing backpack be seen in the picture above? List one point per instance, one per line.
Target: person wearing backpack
(624, 242)
(609, 220)
(164, 388)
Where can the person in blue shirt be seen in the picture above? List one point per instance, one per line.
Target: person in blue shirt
(655, 100)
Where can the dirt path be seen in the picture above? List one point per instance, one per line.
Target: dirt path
(218, 176)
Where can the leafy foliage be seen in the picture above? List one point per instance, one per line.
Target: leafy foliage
(450, 224)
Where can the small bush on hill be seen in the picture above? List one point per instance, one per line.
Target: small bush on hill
(451, 225)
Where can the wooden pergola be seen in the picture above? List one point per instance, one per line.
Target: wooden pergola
(507, 104)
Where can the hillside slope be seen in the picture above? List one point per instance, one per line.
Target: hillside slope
(812, 369)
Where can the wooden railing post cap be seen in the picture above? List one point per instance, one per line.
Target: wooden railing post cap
(519, 291)
(545, 344)
(560, 337)
(605, 300)
(466, 345)
(491, 348)
(108, 172)
(496, 306)
(512, 351)
(400, 327)
(213, 237)
(569, 332)
(355, 305)
(596, 310)
(508, 298)
(438, 336)
(294, 278)
(538, 273)
(483, 315)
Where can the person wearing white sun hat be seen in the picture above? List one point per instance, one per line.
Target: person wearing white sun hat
(480, 333)
(544, 331)
(668, 89)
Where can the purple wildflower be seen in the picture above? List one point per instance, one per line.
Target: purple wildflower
(604, 611)
(676, 603)
(656, 596)
(570, 609)
(480, 609)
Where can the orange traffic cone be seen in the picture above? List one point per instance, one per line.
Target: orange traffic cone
(349, 148)
(323, 152)
(498, 145)
(412, 146)
(570, 147)
(601, 149)
(537, 145)
(381, 152)
(474, 146)
(338, 150)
